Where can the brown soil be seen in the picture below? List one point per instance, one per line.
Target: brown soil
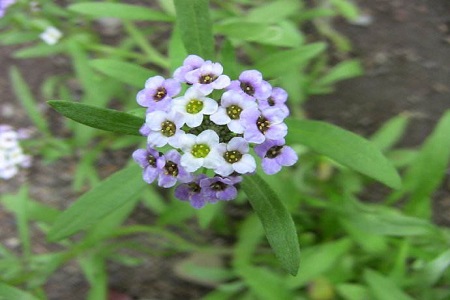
(406, 53)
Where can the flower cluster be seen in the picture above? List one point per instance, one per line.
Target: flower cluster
(211, 128)
(11, 155)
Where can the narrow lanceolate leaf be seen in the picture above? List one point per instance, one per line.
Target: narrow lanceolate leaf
(195, 27)
(125, 72)
(10, 292)
(107, 197)
(383, 288)
(345, 148)
(120, 11)
(276, 220)
(96, 117)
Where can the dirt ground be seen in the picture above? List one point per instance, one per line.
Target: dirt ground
(406, 54)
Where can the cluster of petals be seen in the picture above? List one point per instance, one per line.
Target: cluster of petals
(11, 154)
(201, 128)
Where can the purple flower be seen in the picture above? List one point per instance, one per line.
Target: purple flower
(235, 158)
(261, 125)
(171, 170)
(232, 104)
(208, 77)
(220, 188)
(157, 93)
(277, 98)
(252, 84)
(275, 154)
(147, 158)
(192, 192)
(4, 5)
(163, 128)
(192, 62)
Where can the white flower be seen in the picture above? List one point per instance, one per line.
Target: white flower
(232, 104)
(164, 128)
(235, 157)
(11, 155)
(51, 35)
(200, 151)
(194, 105)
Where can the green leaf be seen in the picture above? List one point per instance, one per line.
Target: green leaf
(125, 72)
(96, 117)
(276, 64)
(383, 288)
(195, 27)
(8, 292)
(276, 220)
(429, 169)
(40, 50)
(390, 133)
(264, 284)
(318, 260)
(273, 11)
(345, 148)
(283, 34)
(434, 269)
(352, 291)
(25, 96)
(110, 195)
(344, 70)
(120, 11)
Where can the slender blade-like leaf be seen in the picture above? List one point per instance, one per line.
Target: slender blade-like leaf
(123, 71)
(383, 288)
(9, 292)
(276, 220)
(96, 117)
(110, 195)
(345, 148)
(195, 27)
(120, 11)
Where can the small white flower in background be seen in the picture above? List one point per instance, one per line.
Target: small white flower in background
(11, 154)
(51, 35)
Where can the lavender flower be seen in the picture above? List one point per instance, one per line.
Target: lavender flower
(275, 154)
(192, 192)
(220, 188)
(208, 77)
(163, 127)
(277, 98)
(171, 170)
(192, 62)
(232, 104)
(252, 84)
(261, 125)
(158, 93)
(147, 158)
(235, 158)
(4, 5)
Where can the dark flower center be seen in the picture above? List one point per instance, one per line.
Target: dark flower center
(274, 151)
(194, 187)
(208, 78)
(234, 111)
(218, 186)
(168, 128)
(263, 124)
(151, 160)
(248, 88)
(271, 101)
(160, 94)
(171, 168)
(232, 156)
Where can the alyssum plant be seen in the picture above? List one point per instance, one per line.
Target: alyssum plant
(202, 131)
